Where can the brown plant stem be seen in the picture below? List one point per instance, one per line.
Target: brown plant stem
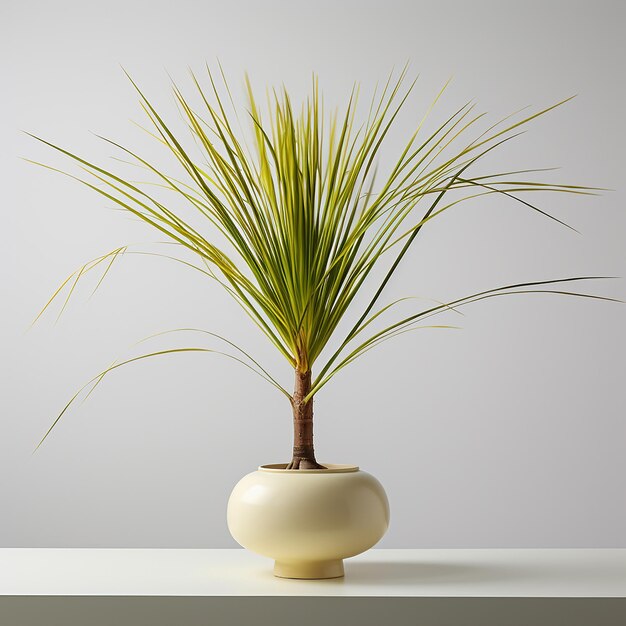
(303, 452)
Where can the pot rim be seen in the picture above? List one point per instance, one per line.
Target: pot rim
(330, 468)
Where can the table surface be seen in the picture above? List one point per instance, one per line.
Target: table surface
(521, 573)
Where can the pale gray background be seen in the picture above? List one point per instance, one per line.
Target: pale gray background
(510, 432)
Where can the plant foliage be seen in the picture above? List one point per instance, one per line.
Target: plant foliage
(291, 220)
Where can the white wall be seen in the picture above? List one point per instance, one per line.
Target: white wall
(510, 432)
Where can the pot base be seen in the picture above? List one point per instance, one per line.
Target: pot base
(309, 569)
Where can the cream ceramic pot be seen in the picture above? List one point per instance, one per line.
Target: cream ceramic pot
(308, 520)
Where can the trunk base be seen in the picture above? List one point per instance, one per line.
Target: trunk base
(302, 454)
(298, 462)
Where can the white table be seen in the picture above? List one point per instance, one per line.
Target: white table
(185, 587)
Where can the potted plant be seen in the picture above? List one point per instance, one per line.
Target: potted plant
(293, 228)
